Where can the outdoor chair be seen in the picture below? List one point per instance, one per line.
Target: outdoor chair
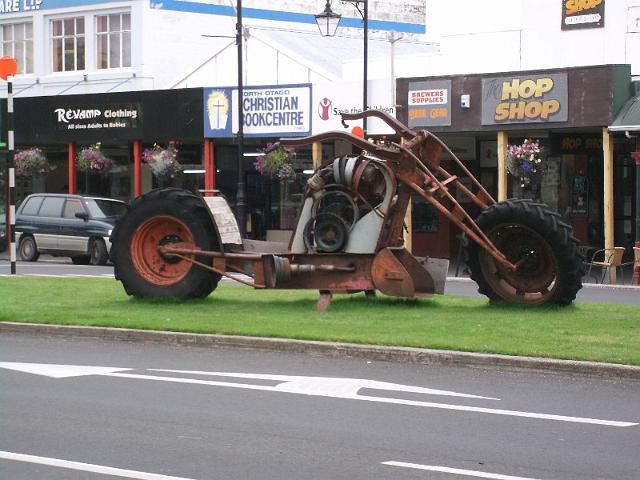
(634, 264)
(607, 260)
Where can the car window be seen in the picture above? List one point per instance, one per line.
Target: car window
(51, 207)
(31, 206)
(101, 208)
(71, 207)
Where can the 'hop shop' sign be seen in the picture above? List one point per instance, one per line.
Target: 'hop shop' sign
(526, 99)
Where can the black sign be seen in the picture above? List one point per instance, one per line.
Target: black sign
(576, 144)
(578, 14)
(98, 117)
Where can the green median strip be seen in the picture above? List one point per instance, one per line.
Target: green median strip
(582, 331)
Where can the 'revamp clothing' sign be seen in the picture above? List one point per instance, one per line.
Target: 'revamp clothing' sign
(280, 110)
(98, 117)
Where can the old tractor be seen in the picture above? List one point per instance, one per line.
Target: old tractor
(349, 233)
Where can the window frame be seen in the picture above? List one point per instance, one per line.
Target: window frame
(73, 203)
(63, 37)
(107, 36)
(45, 214)
(24, 67)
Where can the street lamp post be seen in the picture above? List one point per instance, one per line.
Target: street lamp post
(240, 192)
(240, 189)
(328, 22)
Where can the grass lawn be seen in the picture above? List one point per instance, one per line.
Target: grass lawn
(582, 331)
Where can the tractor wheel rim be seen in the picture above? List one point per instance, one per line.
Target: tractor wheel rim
(154, 267)
(535, 279)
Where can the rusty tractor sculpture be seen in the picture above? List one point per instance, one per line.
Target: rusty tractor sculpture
(349, 233)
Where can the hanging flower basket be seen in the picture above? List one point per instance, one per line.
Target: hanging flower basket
(92, 159)
(276, 163)
(163, 162)
(525, 162)
(31, 161)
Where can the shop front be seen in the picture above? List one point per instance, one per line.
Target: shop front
(566, 112)
(118, 127)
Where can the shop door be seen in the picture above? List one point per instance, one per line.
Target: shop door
(624, 201)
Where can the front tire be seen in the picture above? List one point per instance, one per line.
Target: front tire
(158, 218)
(28, 249)
(98, 254)
(550, 266)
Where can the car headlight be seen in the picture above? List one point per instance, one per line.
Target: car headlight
(109, 233)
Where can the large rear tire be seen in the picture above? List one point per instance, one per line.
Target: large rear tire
(550, 266)
(158, 218)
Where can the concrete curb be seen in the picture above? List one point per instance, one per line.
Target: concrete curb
(332, 349)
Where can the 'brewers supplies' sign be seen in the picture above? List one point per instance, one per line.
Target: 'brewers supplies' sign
(525, 99)
(582, 14)
(429, 103)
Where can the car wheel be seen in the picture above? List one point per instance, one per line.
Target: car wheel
(28, 249)
(80, 260)
(98, 252)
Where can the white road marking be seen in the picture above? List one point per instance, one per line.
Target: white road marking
(456, 471)
(58, 371)
(86, 467)
(327, 385)
(344, 388)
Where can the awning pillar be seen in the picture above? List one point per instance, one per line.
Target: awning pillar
(71, 168)
(503, 140)
(209, 166)
(609, 241)
(137, 168)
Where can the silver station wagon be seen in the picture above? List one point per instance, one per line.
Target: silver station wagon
(67, 226)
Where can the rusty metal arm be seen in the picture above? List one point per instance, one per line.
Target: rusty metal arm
(213, 269)
(462, 167)
(181, 252)
(377, 150)
(473, 231)
(394, 124)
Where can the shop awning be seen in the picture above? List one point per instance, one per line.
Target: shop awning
(629, 117)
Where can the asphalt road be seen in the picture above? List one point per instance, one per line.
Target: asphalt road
(269, 415)
(619, 294)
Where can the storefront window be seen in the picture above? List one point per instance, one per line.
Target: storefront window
(17, 42)
(424, 216)
(113, 40)
(68, 44)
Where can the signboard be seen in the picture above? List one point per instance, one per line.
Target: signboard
(577, 144)
(97, 117)
(279, 110)
(225, 220)
(429, 103)
(578, 14)
(539, 98)
(332, 99)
